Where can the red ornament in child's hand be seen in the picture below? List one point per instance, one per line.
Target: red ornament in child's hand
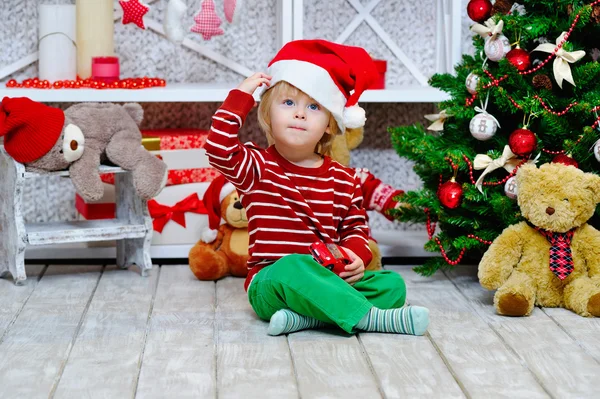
(565, 160)
(450, 194)
(522, 142)
(479, 10)
(519, 58)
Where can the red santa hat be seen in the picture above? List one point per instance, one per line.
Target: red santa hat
(216, 192)
(333, 74)
(30, 129)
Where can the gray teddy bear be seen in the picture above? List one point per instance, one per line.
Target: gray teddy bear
(80, 139)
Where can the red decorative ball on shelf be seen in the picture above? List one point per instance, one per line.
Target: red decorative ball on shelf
(11, 83)
(522, 142)
(565, 160)
(479, 10)
(450, 194)
(519, 58)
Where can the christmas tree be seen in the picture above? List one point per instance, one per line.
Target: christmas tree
(530, 93)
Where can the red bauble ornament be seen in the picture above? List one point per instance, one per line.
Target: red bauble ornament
(565, 160)
(479, 10)
(450, 194)
(522, 142)
(519, 58)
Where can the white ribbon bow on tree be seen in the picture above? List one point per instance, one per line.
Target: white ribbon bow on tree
(490, 28)
(508, 161)
(438, 120)
(562, 69)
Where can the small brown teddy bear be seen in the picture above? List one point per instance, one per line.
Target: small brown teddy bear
(79, 139)
(223, 249)
(553, 258)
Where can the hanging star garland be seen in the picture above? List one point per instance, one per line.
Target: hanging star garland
(134, 11)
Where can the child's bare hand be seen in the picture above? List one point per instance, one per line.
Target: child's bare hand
(355, 270)
(254, 82)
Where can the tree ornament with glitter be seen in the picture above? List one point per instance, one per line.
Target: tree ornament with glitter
(522, 142)
(510, 188)
(471, 82)
(479, 10)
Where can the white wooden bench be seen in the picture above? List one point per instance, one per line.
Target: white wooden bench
(132, 228)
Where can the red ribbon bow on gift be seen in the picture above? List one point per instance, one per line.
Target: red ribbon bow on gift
(161, 214)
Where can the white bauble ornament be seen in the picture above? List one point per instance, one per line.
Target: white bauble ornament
(597, 150)
(471, 83)
(510, 188)
(496, 48)
(483, 127)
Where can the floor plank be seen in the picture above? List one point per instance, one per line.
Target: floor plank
(13, 298)
(409, 367)
(479, 359)
(585, 331)
(38, 343)
(107, 354)
(180, 353)
(559, 363)
(250, 363)
(330, 363)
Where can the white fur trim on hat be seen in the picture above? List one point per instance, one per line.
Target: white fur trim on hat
(225, 191)
(354, 117)
(315, 82)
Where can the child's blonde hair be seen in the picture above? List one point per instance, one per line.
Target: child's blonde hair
(281, 89)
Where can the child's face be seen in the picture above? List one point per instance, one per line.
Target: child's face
(297, 121)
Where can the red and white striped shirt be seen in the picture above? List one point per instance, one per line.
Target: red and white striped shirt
(288, 206)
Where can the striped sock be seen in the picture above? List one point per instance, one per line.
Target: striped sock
(407, 320)
(285, 321)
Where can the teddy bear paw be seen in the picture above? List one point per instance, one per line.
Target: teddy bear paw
(512, 304)
(594, 305)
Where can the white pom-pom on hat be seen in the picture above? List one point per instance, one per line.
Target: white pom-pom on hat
(354, 117)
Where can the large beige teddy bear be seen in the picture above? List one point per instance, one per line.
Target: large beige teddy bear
(553, 258)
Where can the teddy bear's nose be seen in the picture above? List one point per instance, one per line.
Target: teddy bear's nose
(550, 211)
(237, 205)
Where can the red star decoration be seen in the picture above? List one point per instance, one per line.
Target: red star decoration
(134, 11)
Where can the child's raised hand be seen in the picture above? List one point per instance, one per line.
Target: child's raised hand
(250, 84)
(355, 270)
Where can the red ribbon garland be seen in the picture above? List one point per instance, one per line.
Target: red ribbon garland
(161, 214)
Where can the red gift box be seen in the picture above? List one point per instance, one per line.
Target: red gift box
(173, 139)
(95, 211)
(179, 176)
(381, 66)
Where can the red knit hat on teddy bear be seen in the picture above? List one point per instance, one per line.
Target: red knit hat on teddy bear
(30, 129)
(333, 74)
(214, 195)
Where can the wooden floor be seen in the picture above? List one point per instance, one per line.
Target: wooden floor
(93, 331)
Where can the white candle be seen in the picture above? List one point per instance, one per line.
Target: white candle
(95, 33)
(57, 52)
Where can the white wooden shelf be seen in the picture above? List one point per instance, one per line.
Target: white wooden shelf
(202, 92)
(76, 231)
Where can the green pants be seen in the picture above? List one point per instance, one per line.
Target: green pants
(299, 283)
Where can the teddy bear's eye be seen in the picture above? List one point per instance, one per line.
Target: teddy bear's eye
(566, 199)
